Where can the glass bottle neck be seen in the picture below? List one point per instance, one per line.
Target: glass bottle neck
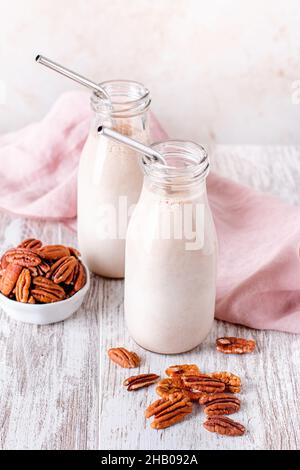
(185, 173)
(127, 110)
(176, 192)
(127, 99)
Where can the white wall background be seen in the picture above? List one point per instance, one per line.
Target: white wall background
(218, 71)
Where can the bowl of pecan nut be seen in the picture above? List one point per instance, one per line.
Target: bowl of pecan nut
(42, 284)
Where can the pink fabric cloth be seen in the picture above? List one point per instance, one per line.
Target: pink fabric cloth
(259, 261)
(259, 236)
(39, 163)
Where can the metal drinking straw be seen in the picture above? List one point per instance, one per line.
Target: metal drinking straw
(72, 75)
(134, 144)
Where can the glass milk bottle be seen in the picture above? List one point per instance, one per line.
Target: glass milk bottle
(109, 179)
(171, 253)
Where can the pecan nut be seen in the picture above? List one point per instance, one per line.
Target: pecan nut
(70, 278)
(23, 286)
(34, 271)
(38, 270)
(22, 257)
(31, 244)
(220, 404)
(186, 369)
(79, 278)
(44, 297)
(169, 411)
(3, 261)
(63, 269)
(170, 386)
(43, 268)
(232, 345)
(53, 252)
(140, 381)
(124, 358)
(232, 382)
(224, 426)
(9, 278)
(74, 252)
(46, 291)
(197, 384)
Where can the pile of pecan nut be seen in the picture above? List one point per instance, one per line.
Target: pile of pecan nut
(33, 273)
(185, 384)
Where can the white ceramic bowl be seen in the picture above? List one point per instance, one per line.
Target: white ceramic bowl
(43, 314)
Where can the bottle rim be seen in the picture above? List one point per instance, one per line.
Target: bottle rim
(187, 162)
(128, 98)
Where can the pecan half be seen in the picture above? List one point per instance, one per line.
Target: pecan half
(79, 278)
(162, 404)
(31, 243)
(31, 300)
(54, 266)
(3, 261)
(232, 345)
(34, 271)
(9, 278)
(232, 382)
(224, 426)
(186, 369)
(39, 270)
(46, 291)
(23, 286)
(197, 384)
(124, 358)
(43, 268)
(23, 257)
(53, 252)
(74, 252)
(170, 411)
(220, 404)
(63, 269)
(167, 387)
(139, 381)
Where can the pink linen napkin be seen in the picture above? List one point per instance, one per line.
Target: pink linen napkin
(39, 163)
(259, 236)
(259, 257)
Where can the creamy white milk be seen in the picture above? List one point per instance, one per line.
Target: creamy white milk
(170, 290)
(107, 171)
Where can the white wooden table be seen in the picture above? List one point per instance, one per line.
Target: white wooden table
(49, 375)
(57, 385)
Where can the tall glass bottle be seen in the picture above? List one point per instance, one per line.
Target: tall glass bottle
(171, 253)
(110, 179)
